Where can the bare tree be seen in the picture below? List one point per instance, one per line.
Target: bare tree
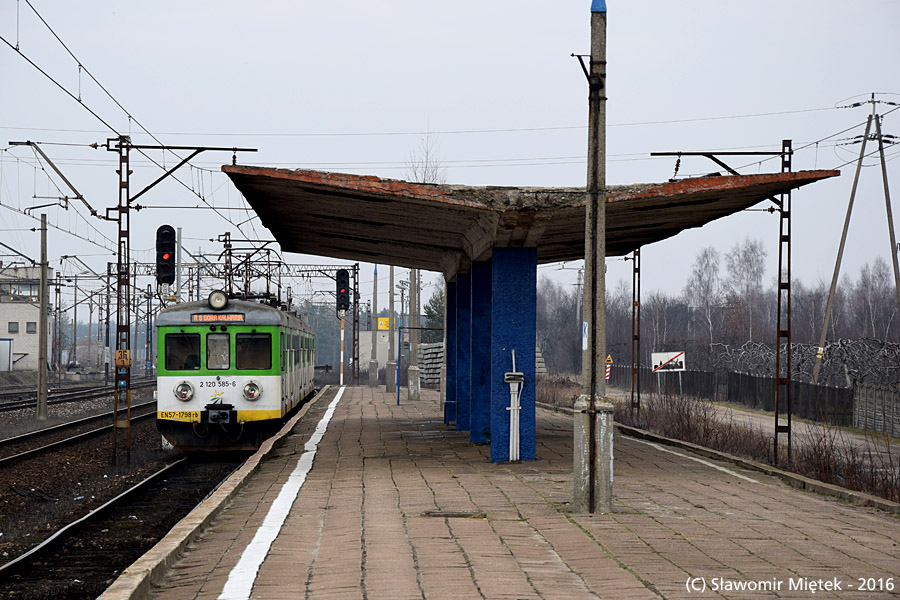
(704, 292)
(424, 164)
(665, 320)
(618, 321)
(558, 327)
(872, 301)
(745, 265)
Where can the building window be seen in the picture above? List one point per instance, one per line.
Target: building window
(13, 327)
(31, 327)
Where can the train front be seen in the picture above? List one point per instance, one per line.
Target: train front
(219, 380)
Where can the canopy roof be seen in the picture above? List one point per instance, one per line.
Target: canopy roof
(444, 227)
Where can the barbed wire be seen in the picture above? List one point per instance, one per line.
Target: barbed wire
(869, 361)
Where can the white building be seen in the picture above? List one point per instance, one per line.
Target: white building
(20, 309)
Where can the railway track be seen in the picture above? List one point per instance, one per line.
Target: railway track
(30, 444)
(61, 396)
(82, 558)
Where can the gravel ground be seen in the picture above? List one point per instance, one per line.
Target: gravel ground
(17, 422)
(38, 495)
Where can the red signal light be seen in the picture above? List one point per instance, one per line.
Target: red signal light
(165, 256)
(342, 297)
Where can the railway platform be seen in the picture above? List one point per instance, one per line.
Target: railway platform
(397, 505)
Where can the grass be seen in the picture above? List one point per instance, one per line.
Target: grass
(820, 452)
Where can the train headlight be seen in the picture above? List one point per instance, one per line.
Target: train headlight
(217, 299)
(184, 391)
(252, 390)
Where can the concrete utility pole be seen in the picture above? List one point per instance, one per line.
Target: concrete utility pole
(58, 330)
(390, 378)
(74, 357)
(106, 339)
(177, 266)
(887, 202)
(413, 389)
(373, 361)
(42, 328)
(593, 451)
(90, 353)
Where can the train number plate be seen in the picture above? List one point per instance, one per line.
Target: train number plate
(212, 383)
(179, 415)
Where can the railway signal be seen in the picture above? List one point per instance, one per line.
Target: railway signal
(165, 255)
(342, 278)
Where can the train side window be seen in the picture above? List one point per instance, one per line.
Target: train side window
(218, 351)
(182, 351)
(254, 351)
(296, 349)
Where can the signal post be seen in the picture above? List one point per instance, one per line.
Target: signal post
(342, 303)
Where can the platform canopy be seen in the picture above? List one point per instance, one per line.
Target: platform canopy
(443, 228)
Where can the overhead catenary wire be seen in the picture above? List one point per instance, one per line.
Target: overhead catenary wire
(94, 113)
(200, 190)
(450, 131)
(58, 228)
(39, 163)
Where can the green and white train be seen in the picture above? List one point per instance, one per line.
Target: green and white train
(229, 372)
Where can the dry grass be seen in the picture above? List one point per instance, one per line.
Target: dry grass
(557, 390)
(821, 453)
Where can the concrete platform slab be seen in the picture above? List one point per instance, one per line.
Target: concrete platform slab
(397, 505)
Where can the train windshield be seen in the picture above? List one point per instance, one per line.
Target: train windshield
(218, 351)
(182, 351)
(254, 351)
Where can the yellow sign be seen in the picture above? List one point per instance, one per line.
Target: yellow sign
(123, 358)
(383, 323)
(609, 359)
(185, 416)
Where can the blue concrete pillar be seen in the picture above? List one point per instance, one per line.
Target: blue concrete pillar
(450, 353)
(480, 407)
(513, 315)
(463, 350)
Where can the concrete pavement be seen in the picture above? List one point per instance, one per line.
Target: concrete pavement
(397, 505)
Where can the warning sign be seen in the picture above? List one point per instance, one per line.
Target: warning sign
(609, 359)
(667, 361)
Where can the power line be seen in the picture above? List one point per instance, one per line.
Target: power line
(58, 84)
(449, 131)
(97, 116)
(57, 227)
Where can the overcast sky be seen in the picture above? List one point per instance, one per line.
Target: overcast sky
(353, 86)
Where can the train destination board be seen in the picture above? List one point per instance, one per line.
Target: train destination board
(217, 318)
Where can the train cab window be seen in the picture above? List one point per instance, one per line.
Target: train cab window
(254, 351)
(182, 351)
(218, 351)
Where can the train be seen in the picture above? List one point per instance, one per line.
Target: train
(229, 372)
